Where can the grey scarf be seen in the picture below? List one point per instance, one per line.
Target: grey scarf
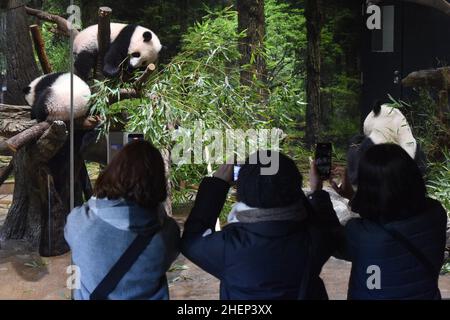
(295, 212)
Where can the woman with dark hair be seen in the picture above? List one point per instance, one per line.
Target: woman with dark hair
(276, 240)
(397, 246)
(121, 239)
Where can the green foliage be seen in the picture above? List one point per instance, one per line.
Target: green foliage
(422, 114)
(446, 267)
(57, 48)
(196, 87)
(285, 46)
(429, 131)
(340, 75)
(439, 180)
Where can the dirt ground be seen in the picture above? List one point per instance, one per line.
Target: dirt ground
(26, 275)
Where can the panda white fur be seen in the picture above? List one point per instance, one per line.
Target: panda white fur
(127, 40)
(384, 124)
(49, 97)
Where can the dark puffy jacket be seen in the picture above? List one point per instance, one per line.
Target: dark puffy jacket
(263, 260)
(402, 275)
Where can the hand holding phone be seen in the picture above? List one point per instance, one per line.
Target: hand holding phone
(225, 172)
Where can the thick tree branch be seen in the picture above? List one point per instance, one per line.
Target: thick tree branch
(51, 141)
(434, 78)
(437, 78)
(63, 26)
(32, 133)
(441, 5)
(14, 119)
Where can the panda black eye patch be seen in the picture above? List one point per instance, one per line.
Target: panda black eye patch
(135, 54)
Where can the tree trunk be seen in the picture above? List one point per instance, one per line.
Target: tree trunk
(313, 28)
(251, 18)
(41, 167)
(16, 51)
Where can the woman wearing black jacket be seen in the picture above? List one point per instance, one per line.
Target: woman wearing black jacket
(397, 246)
(274, 246)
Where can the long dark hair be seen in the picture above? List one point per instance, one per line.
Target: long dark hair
(137, 174)
(390, 185)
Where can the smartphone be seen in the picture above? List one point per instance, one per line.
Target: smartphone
(135, 136)
(236, 172)
(323, 160)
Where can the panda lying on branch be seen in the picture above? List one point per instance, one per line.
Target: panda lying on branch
(49, 97)
(139, 45)
(384, 124)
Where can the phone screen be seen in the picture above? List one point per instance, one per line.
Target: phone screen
(135, 136)
(236, 172)
(323, 160)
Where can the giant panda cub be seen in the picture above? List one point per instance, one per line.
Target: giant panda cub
(384, 124)
(137, 43)
(49, 97)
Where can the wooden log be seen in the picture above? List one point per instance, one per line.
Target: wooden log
(433, 78)
(39, 209)
(39, 46)
(33, 133)
(63, 26)
(14, 119)
(50, 141)
(103, 38)
(437, 78)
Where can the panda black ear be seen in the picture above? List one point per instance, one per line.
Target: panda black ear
(26, 90)
(377, 107)
(147, 36)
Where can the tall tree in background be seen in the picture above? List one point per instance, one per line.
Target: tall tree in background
(251, 18)
(16, 50)
(313, 27)
(41, 174)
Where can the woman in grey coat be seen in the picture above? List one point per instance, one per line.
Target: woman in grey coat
(121, 239)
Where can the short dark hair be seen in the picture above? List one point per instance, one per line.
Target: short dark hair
(273, 190)
(136, 174)
(390, 185)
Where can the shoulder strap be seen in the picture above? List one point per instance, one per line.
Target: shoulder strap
(122, 266)
(429, 267)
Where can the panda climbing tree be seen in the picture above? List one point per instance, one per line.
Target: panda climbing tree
(36, 135)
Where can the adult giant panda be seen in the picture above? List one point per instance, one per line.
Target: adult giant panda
(140, 44)
(49, 97)
(384, 124)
